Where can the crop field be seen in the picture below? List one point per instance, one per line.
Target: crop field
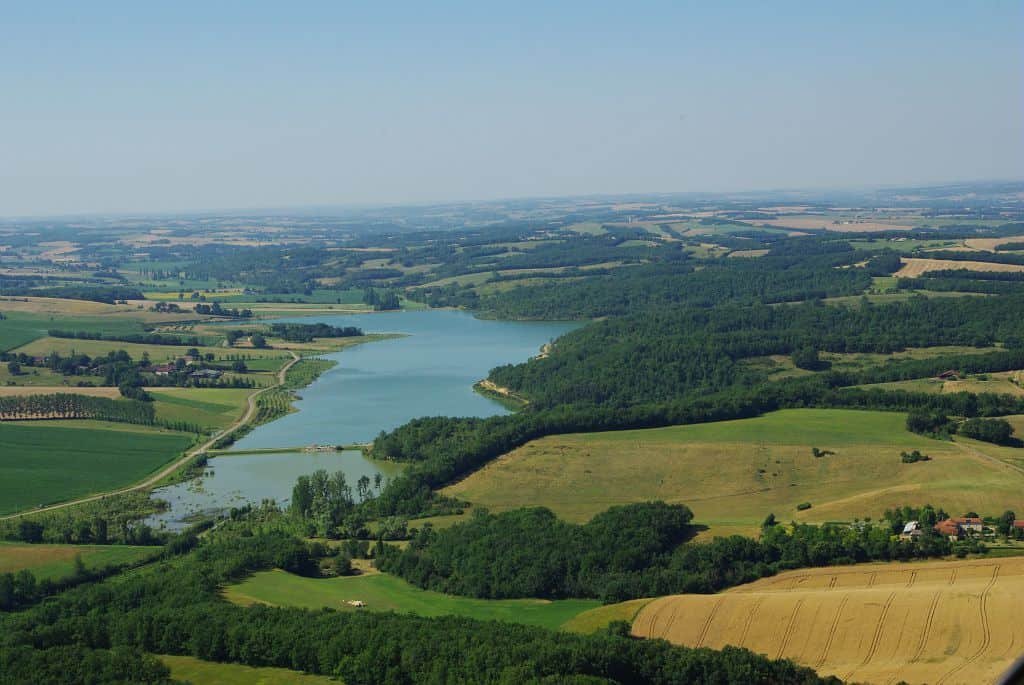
(189, 669)
(734, 473)
(19, 390)
(945, 622)
(1002, 383)
(21, 327)
(383, 592)
(157, 353)
(913, 266)
(206, 407)
(990, 244)
(58, 561)
(43, 462)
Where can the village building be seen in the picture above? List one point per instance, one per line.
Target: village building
(970, 523)
(949, 528)
(911, 530)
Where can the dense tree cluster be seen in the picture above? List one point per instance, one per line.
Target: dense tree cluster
(175, 607)
(140, 338)
(626, 552)
(531, 553)
(72, 406)
(306, 332)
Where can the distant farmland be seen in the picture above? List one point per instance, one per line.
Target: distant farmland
(912, 266)
(734, 473)
(936, 622)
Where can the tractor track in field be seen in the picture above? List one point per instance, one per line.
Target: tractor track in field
(832, 631)
(986, 630)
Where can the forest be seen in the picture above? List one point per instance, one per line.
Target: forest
(174, 607)
(626, 552)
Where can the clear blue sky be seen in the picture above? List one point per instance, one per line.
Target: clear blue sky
(142, 106)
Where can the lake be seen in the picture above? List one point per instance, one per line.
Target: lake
(429, 371)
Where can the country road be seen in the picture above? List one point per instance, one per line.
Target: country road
(185, 458)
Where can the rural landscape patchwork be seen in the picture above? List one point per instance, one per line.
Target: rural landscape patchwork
(574, 343)
(772, 438)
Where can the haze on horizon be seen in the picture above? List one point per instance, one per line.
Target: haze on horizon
(132, 107)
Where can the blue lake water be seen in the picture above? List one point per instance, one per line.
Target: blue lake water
(376, 386)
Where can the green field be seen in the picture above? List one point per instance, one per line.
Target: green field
(382, 592)
(206, 407)
(157, 353)
(733, 473)
(20, 328)
(58, 561)
(597, 619)
(43, 462)
(191, 670)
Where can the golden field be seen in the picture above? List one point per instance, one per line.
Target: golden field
(944, 622)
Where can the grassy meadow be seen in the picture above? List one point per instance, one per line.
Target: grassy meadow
(733, 473)
(382, 592)
(58, 561)
(43, 462)
(189, 669)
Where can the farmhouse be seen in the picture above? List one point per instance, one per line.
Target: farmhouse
(163, 369)
(206, 373)
(949, 375)
(970, 523)
(911, 530)
(949, 528)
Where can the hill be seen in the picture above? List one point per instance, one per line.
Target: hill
(935, 622)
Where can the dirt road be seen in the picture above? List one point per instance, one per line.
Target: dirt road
(188, 456)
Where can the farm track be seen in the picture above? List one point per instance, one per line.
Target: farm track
(249, 414)
(832, 631)
(707, 623)
(876, 638)
(790, 627)
(986, 630)
(950, 622)
(750, 620)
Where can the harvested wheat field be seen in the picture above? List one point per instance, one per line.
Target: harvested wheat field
(939, 622)
(913, 266)
(992, 243)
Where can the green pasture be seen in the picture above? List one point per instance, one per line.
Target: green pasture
(58, 561)
(734, 473)
(43, 462)
(382, 592)
(188, 669)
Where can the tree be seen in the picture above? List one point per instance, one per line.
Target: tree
(807, 358)
(14, 368)
(30, 531)
(996, 431)
(258, 341)
(1005, 523)
(239, 367)
(342, 565)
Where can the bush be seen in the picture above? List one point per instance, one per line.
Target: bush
(913, 457)
(803, 506)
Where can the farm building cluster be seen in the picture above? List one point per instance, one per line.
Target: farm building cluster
(957, 528)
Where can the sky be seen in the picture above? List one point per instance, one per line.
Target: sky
(154, 107)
